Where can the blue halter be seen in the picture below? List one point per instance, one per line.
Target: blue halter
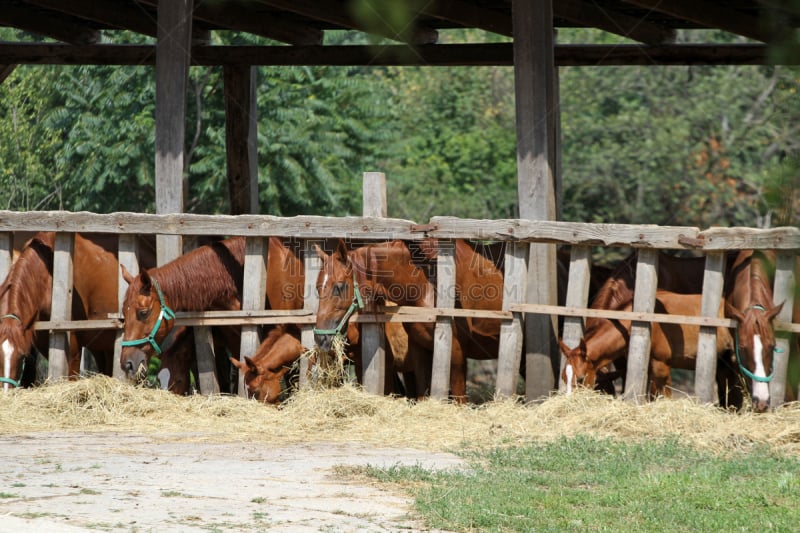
(166, 312)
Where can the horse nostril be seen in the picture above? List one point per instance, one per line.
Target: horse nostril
(127, 366)
(323, 341)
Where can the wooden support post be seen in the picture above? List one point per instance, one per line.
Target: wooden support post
(312, 264)
(706, 369)
(783, 291)
(373, 349)
(534, 80)
(172, 72)
(241, 142)
(254, 297)
(580, 271)
(515, 277)
(644, 300)
(61, 306)
(127, 254)
(443, 331)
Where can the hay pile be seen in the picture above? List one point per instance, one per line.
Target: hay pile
(347, 414)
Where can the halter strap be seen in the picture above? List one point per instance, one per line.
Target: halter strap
(358, 303)
(11, 315)
(165, 312)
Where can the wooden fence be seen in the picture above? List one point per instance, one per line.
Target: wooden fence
(648, 239)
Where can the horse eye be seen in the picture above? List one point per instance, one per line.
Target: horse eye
(142, 314)
(338, 289)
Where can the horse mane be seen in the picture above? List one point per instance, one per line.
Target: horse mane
(29, 279)
(205, 276)
(274, 334)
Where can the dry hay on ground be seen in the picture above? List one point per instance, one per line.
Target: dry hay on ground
(346, 414)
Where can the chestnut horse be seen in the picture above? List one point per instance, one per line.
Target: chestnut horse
(207, 278)
(749, 300)
(27, 293)
(402, 273)
(671, 345)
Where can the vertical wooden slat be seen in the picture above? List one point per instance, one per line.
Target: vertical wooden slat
(254, 297)
(127, 254)
(783, 291)
(580, 269)
(312, 264)
(172, 71)
(61, 307)
(644, 300)
(443, 331)
(706, 366)
(6, 253)
(207, 379)
(373, 349)
(241, 130)
(534, 82)
(511, 332)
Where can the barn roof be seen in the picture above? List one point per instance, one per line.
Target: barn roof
(650, 25)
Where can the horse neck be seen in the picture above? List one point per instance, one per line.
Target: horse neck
(197, 282)
(606, 340)
(392, 266)
(30, 288)
(473, 270)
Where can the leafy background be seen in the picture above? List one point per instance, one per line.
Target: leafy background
(664, 145)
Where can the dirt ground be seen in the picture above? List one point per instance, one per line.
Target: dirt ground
(64, 482)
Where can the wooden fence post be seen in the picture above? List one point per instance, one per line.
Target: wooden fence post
(312, 265)
(644, 300)
(373, 349)
(61, 306)
(6, 253)
(511, 332)
(127, 256)
(443, 332)
(580, 269)
(784, 291)
(706, 365)
(253, 297)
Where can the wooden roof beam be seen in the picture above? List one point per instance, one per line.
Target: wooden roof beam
(5, 71)
(33, 20)
(332, 13)
(469, 15)
(238, 18)
(587, 14)
(117, 15)
(710, 15)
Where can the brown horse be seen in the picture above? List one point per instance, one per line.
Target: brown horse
(749, 300)
(27, 295)
(402, 273)
(207, 278)
(672, 345)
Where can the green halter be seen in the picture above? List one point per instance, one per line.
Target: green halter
(166, 312)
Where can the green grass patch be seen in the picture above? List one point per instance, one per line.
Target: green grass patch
(603, 485)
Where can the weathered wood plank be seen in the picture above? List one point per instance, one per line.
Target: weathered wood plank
(127, 255)
(443, 331)
(312, 264)
(781, 238)
(241, 131)
(644, 299)
(61, 306)
(706, 365)
(253, 297)
(511, 333)
(6, 253)
(207, 379)
(580, 268)
(623, 315)
(373, 349)
(783, 291)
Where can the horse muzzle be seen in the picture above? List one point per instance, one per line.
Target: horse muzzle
(323, 341)
(134, 364)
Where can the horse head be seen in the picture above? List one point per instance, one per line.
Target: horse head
(148, 321)
(755, 347)
(578, 370)
(274, 358)
(339, 295)
(16, 341)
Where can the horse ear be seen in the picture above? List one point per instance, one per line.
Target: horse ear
(320, 252)
(772, 313)
(126, 275)
(251, 365)
(238, 364)
(146, 282)
(566, 350)
(582, 345)
(732, 312)
(341, 251)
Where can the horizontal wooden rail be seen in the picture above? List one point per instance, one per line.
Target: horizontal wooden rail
(624, 315)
